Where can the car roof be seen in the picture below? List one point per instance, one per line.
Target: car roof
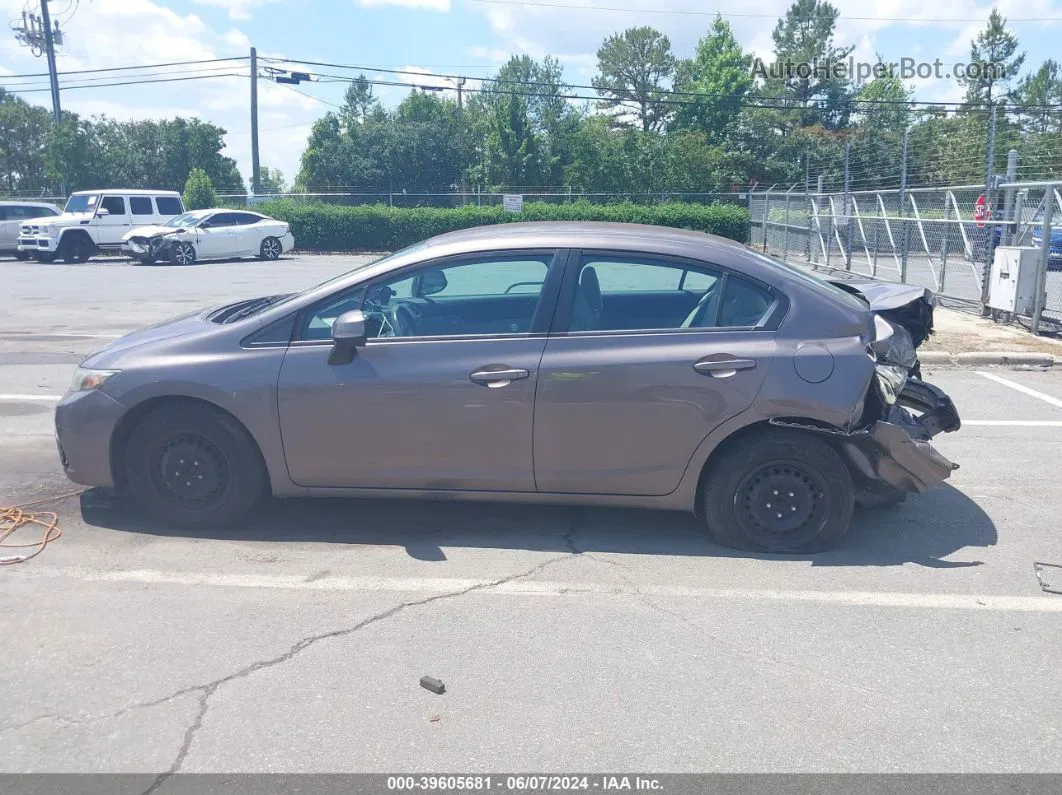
(585, 234)
(126, 192)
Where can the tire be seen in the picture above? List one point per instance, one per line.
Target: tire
(144, 260)
(75, 247)
(22, 256)
(183, 254)
(44, 256)
(779, 472)
(225, 474)
(271, 249)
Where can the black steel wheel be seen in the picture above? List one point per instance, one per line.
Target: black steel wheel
(191, 465)
(779, 491)
(271, 249)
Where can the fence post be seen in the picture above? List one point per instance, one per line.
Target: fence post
(785, 229)
(766, 207)
(845, 211)
(905, 231)
(986, 271)
(945, 239)
(1045, 254)
(877, 240)
(807, 205)
(1009, 230)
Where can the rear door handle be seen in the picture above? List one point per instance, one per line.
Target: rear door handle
(723, 368)
(498, 378)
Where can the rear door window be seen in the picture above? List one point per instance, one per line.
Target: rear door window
(246, 219)
(141, 205)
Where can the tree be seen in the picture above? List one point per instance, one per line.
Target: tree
(994, 63)
(803, 39)
(635, 67)
(1039, 97)
(199, 191)
(722, 72)
(271, 180)
(358, 100)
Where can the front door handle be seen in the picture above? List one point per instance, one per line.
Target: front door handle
(500, 377)
(723, 368)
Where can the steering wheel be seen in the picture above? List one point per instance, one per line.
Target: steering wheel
(403, 319)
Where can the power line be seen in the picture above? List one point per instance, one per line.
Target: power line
(128, 83)
(130, 68)
(741, 14)
(88, 82)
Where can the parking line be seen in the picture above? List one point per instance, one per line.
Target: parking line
(546, 588)
(1014, 423)
(32, 398)
(1021, 388)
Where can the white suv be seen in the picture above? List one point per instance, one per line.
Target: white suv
(95, 221)
(12, 215)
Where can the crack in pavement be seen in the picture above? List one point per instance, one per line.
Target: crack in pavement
(206, 691)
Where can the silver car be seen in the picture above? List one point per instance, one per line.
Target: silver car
(555, 362)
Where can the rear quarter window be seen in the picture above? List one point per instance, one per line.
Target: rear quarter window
(169, 205)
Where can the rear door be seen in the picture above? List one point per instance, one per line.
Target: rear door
(249, 233)
(648, 355)
(142, 211)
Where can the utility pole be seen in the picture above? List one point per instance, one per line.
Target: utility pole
(37, 33)
(461, 136)
(255, 168)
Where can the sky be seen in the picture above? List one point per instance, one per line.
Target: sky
(432, 38)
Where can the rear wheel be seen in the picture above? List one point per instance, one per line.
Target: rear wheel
(779, 491)
(193, 466)
(271, 249)
(183, 254)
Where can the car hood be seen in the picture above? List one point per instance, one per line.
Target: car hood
(66, 219)
(906, 305)
(181, 325)
(148, 231)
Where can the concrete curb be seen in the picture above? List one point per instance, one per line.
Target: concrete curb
(978, 358)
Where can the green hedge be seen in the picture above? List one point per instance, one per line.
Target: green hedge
(332, 227)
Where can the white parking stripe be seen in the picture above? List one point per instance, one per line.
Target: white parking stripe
(435, 585)
(1014, 423)
(32, 398)
(1021, 388)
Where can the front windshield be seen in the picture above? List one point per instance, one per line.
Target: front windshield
(81, 204)
(184, 221)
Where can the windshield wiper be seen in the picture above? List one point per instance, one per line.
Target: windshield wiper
(256, 305)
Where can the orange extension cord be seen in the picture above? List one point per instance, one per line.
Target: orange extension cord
(14, 519)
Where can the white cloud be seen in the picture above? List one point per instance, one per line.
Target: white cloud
(237, 9)
(429, 5)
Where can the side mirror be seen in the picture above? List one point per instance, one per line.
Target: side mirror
(348, 333)
(102, 212)
(205, 225)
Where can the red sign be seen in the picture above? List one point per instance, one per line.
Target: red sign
(981, 211)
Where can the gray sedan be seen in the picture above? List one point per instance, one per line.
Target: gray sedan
(573, 363)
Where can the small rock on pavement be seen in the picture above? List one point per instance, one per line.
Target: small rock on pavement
(434, 685)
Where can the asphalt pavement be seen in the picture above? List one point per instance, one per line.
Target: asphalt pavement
(568, 638)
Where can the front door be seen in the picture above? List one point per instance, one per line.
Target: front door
(658, 354)
(442, 394)
(110, 228)
(216, 236)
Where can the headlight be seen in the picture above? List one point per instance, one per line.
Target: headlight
(85, 379)
(47, 230)
(891, 379)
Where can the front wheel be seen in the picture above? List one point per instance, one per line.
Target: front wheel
(183, 254)
(271, 249)
(22, 255)
(193, 466)
(44, 256)
(779, 491)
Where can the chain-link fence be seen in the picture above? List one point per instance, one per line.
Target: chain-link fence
(474, 197)
(940, 238)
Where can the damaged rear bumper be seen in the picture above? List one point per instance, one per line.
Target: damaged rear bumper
(893, 454)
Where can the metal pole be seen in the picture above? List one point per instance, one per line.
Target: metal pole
(846, 212)
(877, 240)
(766, 206)
(946, 236)
(1045, 253)
(461, 136)
(986, 271)
(807, 206)
(785, 230)
(1009, 230)
(255, 166)
(53, 75)
(905, 232)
